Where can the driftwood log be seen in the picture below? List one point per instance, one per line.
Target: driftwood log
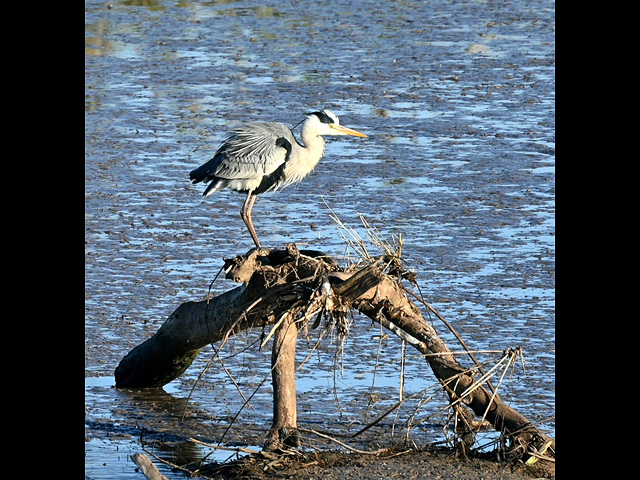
(148, 469)
(291, 288)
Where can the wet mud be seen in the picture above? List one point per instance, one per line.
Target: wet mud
(458, 100)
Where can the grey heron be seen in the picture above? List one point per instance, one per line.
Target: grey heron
(259, 157)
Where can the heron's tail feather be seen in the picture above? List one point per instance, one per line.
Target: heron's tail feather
(200, 174)
(203, 174)
(216, 185)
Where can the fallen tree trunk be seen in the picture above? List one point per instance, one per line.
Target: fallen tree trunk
(289, 288)
(388, 304)
(166, 355)
(258, 302)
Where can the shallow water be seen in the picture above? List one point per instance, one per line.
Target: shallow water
(458, 101)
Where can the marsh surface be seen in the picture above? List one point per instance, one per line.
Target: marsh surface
(458, 100)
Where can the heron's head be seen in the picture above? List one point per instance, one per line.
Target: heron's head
(326, 122)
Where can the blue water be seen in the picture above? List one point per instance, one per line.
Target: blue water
(460, 160)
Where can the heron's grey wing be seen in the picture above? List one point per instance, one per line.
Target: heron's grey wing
(252, 150)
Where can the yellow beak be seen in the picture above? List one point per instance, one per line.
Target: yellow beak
(340, 130)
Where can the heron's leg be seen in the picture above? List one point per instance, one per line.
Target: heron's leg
(245, 213)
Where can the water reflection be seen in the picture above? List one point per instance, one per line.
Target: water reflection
(156, 419)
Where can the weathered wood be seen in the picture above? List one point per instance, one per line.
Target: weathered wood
(148, 469)
(286, 286)
(167, 354)
(284, 428)
(266, 275)
(388, 304)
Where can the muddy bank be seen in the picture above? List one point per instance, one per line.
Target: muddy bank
(153, 421)
(432, 464)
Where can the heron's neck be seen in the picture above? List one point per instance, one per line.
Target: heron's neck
(303, 160)
(313, 146)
